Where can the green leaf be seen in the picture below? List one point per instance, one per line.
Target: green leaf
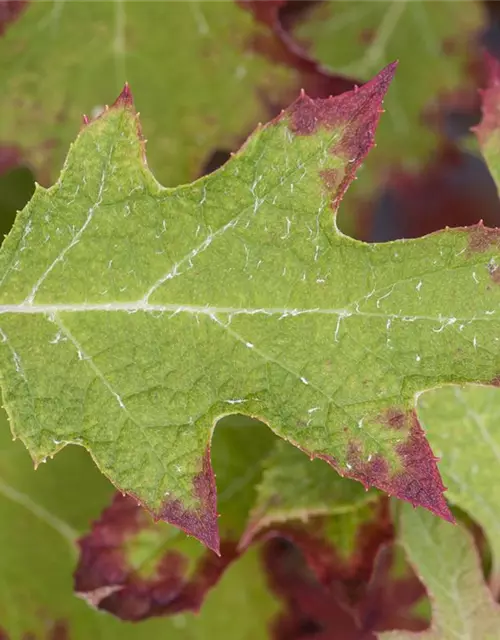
(296, 488)
(133, 317)
(346, 537)
(198, 80)
(446, 560)
(135, 568)
(461, 424)
(43, 512)
(438, 51)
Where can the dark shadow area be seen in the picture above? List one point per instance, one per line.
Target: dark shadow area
(16, 188)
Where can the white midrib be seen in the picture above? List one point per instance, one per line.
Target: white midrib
(174, 309)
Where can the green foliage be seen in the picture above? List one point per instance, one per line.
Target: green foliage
(136, 320)
(445, 559)
(190, 63)
(461, 425)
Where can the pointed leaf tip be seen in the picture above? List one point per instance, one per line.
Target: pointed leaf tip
(200, 520)
(125, 99)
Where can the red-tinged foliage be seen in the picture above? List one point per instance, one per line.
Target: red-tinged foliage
(105, 579)
(388, 601)
(361, 107)
(482, 238)
(311, 610)
(10, 10)
(418, 480)
(360, 596)
(325, 561)
(125, 99)
(490, 101)
(279, 46)
(10, 157)
(202, 521)
(453, 190)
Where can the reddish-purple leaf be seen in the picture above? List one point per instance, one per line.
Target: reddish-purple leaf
(136, 569)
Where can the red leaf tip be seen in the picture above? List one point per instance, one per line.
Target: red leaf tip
(199, 521)
(125, 99)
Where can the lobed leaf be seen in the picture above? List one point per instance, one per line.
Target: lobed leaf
(133, 317)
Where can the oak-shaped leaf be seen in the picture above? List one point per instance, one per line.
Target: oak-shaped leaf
(133, 317)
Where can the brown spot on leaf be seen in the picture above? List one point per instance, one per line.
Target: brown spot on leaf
(482, 238)
(106, 580)
(59, 631)
(367, 35)
(332, 179)
(396, 418)
(450, 46)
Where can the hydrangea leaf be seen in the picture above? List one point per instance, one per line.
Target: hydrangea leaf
(355, 580)
(191, 64)
(135, 568)
(42, 514)
(315, 491)
(422, 35)
(461, 424)
(439, 51)
(445, 558)
(133, 316)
